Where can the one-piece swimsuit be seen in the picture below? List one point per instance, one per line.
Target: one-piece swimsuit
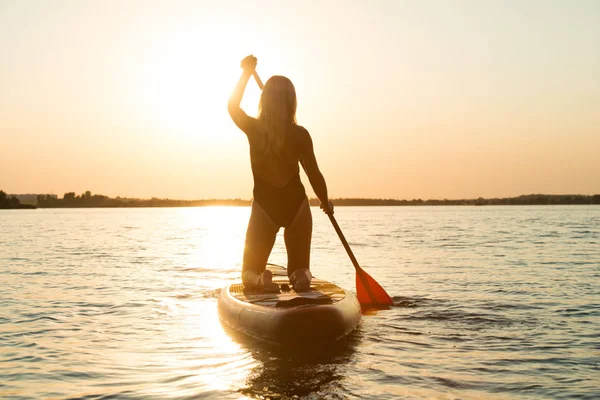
(280, 203)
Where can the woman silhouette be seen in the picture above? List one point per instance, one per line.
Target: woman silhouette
(277, 145)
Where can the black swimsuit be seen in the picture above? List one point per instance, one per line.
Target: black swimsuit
(280, 203)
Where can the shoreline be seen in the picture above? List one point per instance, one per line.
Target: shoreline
(312, 204)
(87, 200)
(20, 207)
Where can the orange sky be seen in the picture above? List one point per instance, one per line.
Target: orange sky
(404, 99)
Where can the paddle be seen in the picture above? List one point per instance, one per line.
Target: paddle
(258, 81)
(369, 292)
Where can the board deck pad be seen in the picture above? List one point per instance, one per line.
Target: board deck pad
(321, 291)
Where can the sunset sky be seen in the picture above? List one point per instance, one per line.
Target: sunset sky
(404, 99)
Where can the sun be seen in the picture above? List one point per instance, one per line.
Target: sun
(187, 80)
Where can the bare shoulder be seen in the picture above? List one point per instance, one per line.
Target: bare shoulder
(303, 135)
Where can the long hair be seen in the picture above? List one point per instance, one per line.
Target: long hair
(276, 110)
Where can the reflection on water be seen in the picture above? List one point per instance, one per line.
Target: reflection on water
(489, 302)
(297, 370)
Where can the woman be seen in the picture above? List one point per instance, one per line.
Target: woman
(277, 145)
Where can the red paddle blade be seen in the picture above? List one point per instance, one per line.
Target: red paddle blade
(369, 292)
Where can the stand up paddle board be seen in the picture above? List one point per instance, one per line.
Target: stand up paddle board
(326, 312)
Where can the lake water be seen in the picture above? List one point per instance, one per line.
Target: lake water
(490, 302)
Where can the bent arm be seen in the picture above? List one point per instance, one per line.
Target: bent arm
(239, 117)
(309, 163)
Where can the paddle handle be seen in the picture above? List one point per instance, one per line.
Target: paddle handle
(258, 81)
(344, 242)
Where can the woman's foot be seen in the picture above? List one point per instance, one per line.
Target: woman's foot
(266, 281)
(300, 280)
(262, 281)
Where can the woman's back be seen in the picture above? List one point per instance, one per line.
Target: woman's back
(277, 169)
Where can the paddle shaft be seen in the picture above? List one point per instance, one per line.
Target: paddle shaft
(344, 241)
(258, 81)
(360, 273)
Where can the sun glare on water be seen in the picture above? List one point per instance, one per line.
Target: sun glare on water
(219, 244)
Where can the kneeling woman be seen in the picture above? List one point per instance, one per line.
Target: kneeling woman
(277, 146)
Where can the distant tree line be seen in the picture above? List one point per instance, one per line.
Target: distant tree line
(11, 202)
(71, 200)
(532, 199)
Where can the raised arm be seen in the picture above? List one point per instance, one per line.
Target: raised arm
(317, 181)
(239, 117)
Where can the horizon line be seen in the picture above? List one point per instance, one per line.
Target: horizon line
(315, 198)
